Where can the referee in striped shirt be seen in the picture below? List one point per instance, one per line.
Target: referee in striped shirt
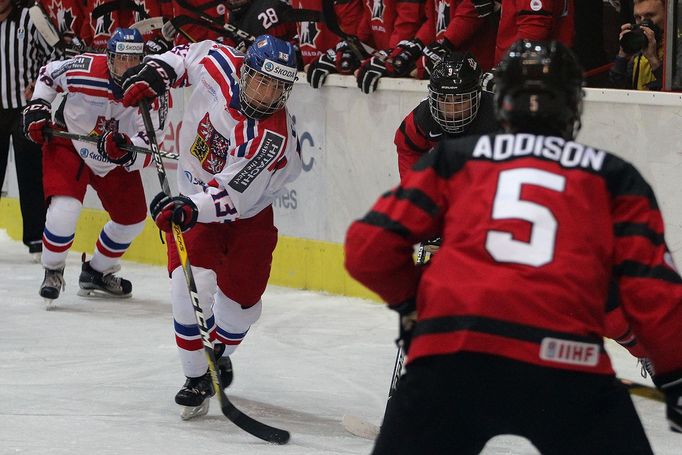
(22, 53)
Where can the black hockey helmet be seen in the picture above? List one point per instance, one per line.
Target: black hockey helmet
(539, 89)
(455, 92)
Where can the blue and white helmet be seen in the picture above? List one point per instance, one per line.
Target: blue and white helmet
(124, 50)
(267, 76)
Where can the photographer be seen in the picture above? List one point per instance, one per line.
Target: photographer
(639, 63)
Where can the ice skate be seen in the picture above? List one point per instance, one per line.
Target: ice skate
(103, 284)
(53, 284)
(195, 396)
(35, 249)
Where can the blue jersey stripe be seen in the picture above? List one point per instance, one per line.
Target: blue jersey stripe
(78, 81)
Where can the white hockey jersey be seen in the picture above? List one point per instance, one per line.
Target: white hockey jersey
(230, 165)
(91, 106)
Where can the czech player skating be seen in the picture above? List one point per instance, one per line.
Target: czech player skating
(92, 106)
(238, 151)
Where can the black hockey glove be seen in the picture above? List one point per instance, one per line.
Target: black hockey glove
(408, 319)
(35, 117)
(404, 57)
(148, 80)
(321, 68)
(346, 60)
(371, 71)
(157, 46)
(110, 144)
(671, 385)
(435, 53)
(166, 210)
(485, 8)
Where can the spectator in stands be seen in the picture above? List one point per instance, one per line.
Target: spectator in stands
(23, 52)
(530, 19)
(639, 63)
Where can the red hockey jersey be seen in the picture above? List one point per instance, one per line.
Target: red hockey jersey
(534, 20)
(533, 230)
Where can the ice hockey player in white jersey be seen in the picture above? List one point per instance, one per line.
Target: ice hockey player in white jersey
(92, 106)
(238, 150)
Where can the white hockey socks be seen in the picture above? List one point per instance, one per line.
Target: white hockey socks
(60, 228)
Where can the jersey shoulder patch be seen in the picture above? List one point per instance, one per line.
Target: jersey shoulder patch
(269, 148)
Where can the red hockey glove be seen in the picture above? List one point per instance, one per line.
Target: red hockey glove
(166, 210)
(408, 319)
(404, 57)
(671, 385)
(35, 117)
(319, 69)
(371, 70)
(148, 80)
(110, 146)
(346, 60)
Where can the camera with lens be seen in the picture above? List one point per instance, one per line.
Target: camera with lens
(635, 40)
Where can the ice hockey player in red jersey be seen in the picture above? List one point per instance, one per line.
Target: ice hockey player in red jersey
(456, 106)
(92, 107)
(503, 328)
(238, 150)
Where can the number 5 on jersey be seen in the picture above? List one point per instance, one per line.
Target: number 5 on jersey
(509, 205)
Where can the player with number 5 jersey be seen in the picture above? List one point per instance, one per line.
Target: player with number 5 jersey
(238, 151)
(510, 312)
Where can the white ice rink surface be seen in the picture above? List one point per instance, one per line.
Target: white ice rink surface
(98, 377)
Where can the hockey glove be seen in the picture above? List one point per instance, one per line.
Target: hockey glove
(404, 57)
(110, 146)
(488, 81)
(433, 245)
(148, 80)
(671, 385)
(166, 210)
(346, 60)
(408, 319)
(321, 68)
(157, 46)
(435, 53)
(35, 117)
(371, 70)
(485, 8)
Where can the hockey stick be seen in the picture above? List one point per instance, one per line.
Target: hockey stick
(360, 49)
(174, 26)
(95, 140)
(643, 390)
(148, 25)
(44, 26)
(235, 32)
(243, 421)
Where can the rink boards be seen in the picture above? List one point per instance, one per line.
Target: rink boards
(349, 160)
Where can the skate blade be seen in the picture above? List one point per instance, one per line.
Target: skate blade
(191, 412)
(49, 304)
(99, 294)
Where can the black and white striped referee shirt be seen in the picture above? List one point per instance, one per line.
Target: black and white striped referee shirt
(23, 51)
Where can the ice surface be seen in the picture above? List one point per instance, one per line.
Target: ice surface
(98, 377)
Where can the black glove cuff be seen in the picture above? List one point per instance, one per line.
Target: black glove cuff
(668, 381)
(406, 307)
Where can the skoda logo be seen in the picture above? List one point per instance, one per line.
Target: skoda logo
(268, 66)
(84, 152)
